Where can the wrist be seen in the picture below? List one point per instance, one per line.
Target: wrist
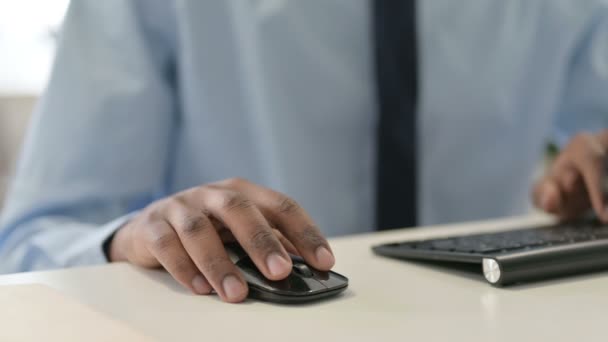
(115, 245)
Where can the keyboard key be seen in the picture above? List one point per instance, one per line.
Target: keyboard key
(445, 245)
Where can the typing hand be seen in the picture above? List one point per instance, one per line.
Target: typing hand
(575, 182)
(185, 233)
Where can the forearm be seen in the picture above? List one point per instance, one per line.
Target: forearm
(53, 242)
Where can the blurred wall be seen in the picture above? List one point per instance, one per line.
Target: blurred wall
(27, 44)
(14, 116)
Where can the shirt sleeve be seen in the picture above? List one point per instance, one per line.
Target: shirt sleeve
(98, 145)
(584, 103)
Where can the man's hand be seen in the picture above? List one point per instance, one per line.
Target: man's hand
(575, 182)
(185, 233)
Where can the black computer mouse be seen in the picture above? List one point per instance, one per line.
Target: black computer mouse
(304, 284)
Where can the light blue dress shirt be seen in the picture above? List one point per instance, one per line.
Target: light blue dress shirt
(153, 96)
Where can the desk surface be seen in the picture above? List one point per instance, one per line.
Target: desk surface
(386, 299)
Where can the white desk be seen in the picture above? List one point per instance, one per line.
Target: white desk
(386, 300)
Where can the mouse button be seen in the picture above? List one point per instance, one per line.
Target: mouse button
(320, 275)
(332, 279)
(293, 282)
(302, 269)
(301, 285)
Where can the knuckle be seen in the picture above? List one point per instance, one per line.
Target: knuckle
(215, 266)
(157, 210)
(579, 138)
(177, 201)
(195, 225)
(154, 212)
(263, 239)
(288, 205)
(234, 182)
(161, 239)
(183, 266)
(310, 235)
(233, 200)
(158, 204)
(582, 139)
(597, 160)
(589, 145)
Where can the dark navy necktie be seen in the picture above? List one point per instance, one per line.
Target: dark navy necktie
(394, 25)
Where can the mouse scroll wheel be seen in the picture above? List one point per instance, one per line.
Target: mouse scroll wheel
(302, 270)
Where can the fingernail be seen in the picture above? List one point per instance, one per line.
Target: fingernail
(201, 285)
(277, 265)
(325, 258)
(233, 288)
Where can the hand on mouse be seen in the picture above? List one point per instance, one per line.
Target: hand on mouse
(575, 182)
(185, 233)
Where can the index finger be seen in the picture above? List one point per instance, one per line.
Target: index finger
(591, 166)
(250, 228)
(593, 176)
(293, 222)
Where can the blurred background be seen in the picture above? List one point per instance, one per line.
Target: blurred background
(28, 33)
(29, 30)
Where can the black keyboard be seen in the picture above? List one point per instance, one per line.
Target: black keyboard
(515, 256)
